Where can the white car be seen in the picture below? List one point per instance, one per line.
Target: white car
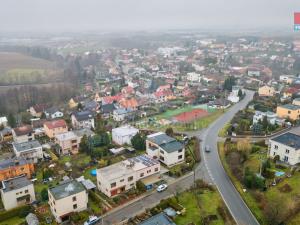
(92, 220)
(162, 187)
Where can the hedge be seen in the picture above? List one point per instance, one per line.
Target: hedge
(16, 212)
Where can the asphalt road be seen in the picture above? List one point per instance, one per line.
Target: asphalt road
(239, 210)
(210, 169)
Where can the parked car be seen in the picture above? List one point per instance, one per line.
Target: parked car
(162, 187)
(207, 148)
(92, 220)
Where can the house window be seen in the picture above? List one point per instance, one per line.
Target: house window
(130, 178)
(122, 180)
(131, 184)
(156, 169)
(142, 174)
(161, 158)
(180, 157)
(179, 150)
(162, 152)
(112, 185)
(74, 198)
(276, 146)
(148, 171)
(286, 159)
(289, 112)
(54, 209)
(75, 206)
(274, 153)
(287, 151)
(26, 191)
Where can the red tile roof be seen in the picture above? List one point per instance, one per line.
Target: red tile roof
(55, 124)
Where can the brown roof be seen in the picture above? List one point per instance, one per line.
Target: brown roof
(19, 131)
(40, 107)
(55, 124)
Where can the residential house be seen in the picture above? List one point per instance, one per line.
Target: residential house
(55, 127)
(271, 117)
(288, 93)
(83, 119)
(68, 143)
(38, 110)
(127, 91)
(165, 148)
(53, 113)
(288, 79)
(14, 167)
(66, 198)
(234, 94)
(123, 135)
(194, 77)
(122, 176)
(158, 219)
(6, 134)
(163, 96)
(16, 192)
(73, 102)
(128, 103)
(288, 111)
(266, 91)
(107, 110)
(122, 114)
(3, 121)
(296, 101)
(28, 150)
(287, 147)
(23, 134)
(92, 106)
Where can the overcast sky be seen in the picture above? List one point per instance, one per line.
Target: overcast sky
(76, 15)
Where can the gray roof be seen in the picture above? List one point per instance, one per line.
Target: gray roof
(289, 139)
(6, 163)
(166, 142)
(84, 131)
(83, 115)
(15, 183)
(52, 110)
(159, 219)
(20, 147)
(66, 189)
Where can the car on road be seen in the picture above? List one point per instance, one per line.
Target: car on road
(92, 220)
(207, 148)
(162, 187)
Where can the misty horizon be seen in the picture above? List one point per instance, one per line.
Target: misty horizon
(115, 15)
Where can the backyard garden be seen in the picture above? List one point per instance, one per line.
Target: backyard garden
(270, 189)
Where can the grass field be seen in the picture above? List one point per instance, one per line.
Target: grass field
(13, 221)
(16, 68)
(194, 213)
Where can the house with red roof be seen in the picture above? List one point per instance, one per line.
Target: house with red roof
(111, 99)
(55, 127)
(128, 103)
(163, 96)
(288, 93)
(128, 90)
(163, 88)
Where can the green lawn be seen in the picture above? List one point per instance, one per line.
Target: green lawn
(13, 221)
(194, 213)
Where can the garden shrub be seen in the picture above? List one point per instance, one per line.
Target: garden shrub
(285, 188)
(16, 212)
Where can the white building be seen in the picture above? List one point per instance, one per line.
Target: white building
(123, 135)
(53, 113)
(287, 147)
(165, 148)
(29, 150)
(120, 177)
(234, 94)
(16, 192)
(194, 77)
(3, 121)
(67, 197)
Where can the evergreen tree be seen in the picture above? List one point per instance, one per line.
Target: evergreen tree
(11, 120)
(138, 142)
(84, 145)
